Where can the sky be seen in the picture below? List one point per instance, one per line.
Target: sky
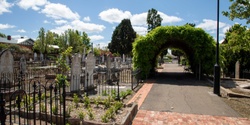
(99, 18)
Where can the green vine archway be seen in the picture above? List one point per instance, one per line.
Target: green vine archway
(198, 45)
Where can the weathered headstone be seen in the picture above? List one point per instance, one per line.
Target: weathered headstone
(102, 58)
(75, 73)
(83, 55)
(237, 70)
(35, 56)
(41, 57)
(23, 64)
(108, 65)
(90, 66)
(6, 65)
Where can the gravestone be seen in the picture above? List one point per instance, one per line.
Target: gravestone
(35, 56)
(75, 73)
(237, 70)
(90, 66)
(6, 65)
(83, 55)
(23, 64)
(41, 57)
(108, 65)
(102, 58)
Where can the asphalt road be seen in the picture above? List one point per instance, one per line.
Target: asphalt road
(176, 91)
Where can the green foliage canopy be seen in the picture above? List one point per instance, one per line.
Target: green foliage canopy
(122, 38)
(153, 19)
(236, 47)
(239, 9)
(198, 45)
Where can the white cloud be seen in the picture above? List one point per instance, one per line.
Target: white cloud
(34, 4)
(96, 37)
(114, 15)
(4, 6)
(210, 25)
(59, 11)
(6, 26)
(21, 31)
(87, 27)
(18, 36)
(140, 30)
(86, 19)
(169, 19)
(46, 21)
(60, 22)
(139, 19)
(80, 26)
(61, 29)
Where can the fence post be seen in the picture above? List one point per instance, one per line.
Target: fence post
(34, 103)
(2, 110)
(64, 103)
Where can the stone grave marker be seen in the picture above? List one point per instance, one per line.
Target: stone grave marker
(35, 56)
(41, 57)
(237, 70)
(23, 64)
(90, 66)
(75, 73)
(6, 65)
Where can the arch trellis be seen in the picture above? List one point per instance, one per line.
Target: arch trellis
(198, 45)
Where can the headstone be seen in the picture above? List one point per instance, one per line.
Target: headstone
(35, 56)
(6, 65)
(102, 58)
(90, 66)
(237, 70)
(23, 64)
(83, 55)
(75, 73)
(41, 57)
(108, 65)
(123, 58)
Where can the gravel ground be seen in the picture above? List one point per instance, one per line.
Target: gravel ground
(240, 105)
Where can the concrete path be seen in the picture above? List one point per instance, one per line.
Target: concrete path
(176, 97)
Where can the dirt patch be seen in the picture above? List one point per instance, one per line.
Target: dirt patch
(240, 105)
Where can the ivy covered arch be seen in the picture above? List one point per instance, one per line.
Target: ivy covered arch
(198, 46)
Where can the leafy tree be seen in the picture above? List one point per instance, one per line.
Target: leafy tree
(236, 47)
(178, 53)
(43, 41)
(122, 38)
(74, 39)
(239, 9)
(2, 35)
(191, 24)
(153, 19)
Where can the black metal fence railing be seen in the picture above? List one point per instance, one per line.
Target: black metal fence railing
(34, 97)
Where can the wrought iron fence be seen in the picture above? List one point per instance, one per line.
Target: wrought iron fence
(34, 97)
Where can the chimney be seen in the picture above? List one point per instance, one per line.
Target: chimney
(8, 37)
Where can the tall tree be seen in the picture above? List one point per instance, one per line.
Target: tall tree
(239, 9)
(2, 35)
(236, 47)
(153, 19)
(122, 38)
(191, 24)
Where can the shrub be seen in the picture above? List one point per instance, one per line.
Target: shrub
(76, 100)
(81, 115)
(90, 114)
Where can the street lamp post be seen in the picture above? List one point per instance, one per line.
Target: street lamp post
(217, 66)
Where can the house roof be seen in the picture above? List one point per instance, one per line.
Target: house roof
(5, 40)
(26, 41)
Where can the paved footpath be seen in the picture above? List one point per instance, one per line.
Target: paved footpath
(156, 112)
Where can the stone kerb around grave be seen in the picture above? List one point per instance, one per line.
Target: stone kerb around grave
(6, 66)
